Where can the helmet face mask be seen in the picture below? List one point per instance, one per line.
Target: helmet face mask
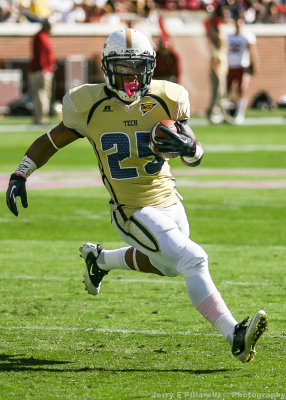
(128, 62)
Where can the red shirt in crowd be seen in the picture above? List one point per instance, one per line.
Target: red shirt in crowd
(167, 64)
(212, 26)
(43, 56)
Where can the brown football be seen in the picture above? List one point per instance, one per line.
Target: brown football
(170, 124)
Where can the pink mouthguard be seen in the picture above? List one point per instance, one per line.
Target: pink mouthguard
(131, 87)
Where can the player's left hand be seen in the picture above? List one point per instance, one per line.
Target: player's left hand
(17, 187)
(179, 142)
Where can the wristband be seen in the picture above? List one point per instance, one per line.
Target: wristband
(198, 154)
(26, 167)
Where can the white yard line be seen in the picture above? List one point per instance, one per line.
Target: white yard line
(231, 171)
(120, 331)
(236, 148)
(250, 121)
(124, 280)
(276, 184)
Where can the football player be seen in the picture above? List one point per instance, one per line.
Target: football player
(242, 64)
(117, 118)
(218, 62)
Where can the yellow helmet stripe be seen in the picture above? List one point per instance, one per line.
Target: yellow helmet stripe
(128, 39)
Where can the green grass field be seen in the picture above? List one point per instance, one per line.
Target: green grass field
(141, 338)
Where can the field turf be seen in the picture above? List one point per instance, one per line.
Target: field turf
(141, 338)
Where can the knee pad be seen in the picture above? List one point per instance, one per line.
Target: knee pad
(192, 257)
(194, 265)
(198, 280)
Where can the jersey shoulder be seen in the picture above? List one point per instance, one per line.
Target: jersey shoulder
(175, 96)
(167, 90)
(85, 96)
(77, 104)
(249, 36)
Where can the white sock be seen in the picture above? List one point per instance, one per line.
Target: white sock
(112, 259)
(241, 108)
(225, 324)
(214, 309)
(207, 299)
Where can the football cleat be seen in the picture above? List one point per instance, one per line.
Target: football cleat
(93, 275)
(246, 336)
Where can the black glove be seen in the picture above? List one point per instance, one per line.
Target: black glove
(176, 142)
(17, 187)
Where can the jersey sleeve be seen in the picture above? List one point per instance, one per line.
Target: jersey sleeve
(252, 38)
(182, 110)
(249, 36)
(71, 117)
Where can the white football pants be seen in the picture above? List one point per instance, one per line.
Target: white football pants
(178, 254)
(170, 227)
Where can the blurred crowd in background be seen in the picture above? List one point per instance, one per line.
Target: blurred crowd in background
(116, 11)
(226, 104)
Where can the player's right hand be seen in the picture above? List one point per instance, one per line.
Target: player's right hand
(179, 142)
(16, 188)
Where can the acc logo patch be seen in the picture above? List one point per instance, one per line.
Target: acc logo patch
(146, 107)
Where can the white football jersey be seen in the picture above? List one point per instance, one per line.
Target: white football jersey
(238, 49)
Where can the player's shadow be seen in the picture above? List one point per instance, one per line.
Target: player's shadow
(21, 363)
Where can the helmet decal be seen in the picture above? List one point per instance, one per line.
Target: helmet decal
(128, 39)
